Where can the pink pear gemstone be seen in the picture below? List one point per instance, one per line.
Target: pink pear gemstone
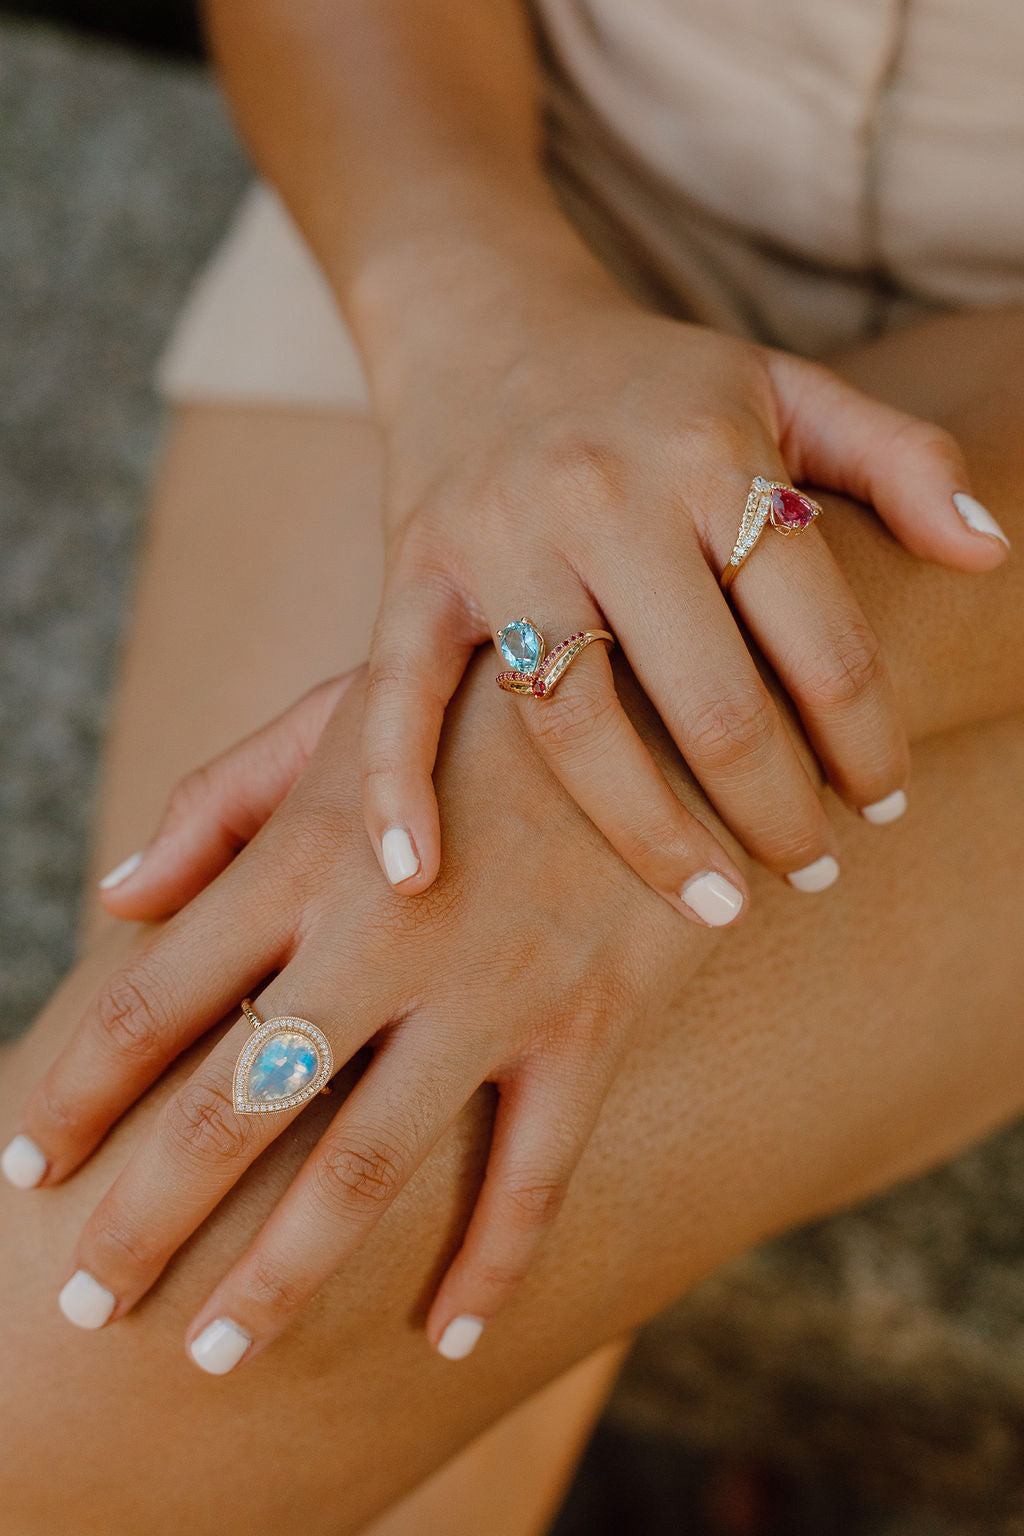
(790, 510)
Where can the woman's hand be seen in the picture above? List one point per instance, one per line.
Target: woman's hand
(557, 453)
(528, 968)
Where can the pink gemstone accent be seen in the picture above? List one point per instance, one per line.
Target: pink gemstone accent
(539, 688)
(790, 509)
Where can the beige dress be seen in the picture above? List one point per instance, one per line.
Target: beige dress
(806, 172)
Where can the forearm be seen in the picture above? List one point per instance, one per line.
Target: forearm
(403, 135)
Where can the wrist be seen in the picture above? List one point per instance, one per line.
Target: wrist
(505, 261)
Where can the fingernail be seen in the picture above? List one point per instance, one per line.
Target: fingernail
(399, 855)
(22, 1162)
(712, 897)
(121, 873)
(883, 811)
(978, 518)
(220, 1346)
(85, 1302)
(459, 1338)
(817, 876)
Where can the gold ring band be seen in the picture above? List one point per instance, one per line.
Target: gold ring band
(774, 503)
(533, 669)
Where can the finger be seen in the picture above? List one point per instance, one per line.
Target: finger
(802, 613)
(911, 471)
(543, 1123)
(592, 747)
(197, 1149)
(165, 996)
(691, 660)
(422, 643)
(216, 810)
(392, 1119)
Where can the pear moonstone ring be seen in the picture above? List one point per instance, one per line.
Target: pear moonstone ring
(283, 1063)
(533, 668)
(769, 501)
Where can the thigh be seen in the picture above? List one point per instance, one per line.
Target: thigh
(260, 576)
(804, 1068)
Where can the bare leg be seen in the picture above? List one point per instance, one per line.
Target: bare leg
(800, 1076)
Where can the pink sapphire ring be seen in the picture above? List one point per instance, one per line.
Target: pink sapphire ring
(532, 667)
(769, 501)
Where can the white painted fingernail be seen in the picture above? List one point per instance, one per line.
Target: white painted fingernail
(459, 1338)
(22, 1162)
(817, 876)
(712, 898)
(884, 811)
(399, 855)
(220, 1346)
(85, 1302)
(119, 875)
(978, 518)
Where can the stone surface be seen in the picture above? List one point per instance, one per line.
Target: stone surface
(791, 510)
(881, 1351)
(283, 1065)
(520, 646)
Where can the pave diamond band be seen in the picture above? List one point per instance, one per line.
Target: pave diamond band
(533, 668)
(772, 502)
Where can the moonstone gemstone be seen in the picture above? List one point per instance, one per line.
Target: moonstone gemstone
(283, 1066)
(790, 509)
(520, 646)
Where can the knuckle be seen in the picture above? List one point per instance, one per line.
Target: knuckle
(934, 442)
(714, 438)
(61, 1114)
(201, 1123)
(270, 1291)
(536, 1200)
(190, 792)
(573, 718)
(844, 673)
(584, 468)
(128, 1017)
(498, 1277)
(123, 1245)
(390, 678)
(726, 731)
(358, 1173)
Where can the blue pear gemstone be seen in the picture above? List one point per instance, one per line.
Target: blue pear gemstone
(520, 646)
(284, 1065)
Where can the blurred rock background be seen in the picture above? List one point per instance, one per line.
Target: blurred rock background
(819, 1387)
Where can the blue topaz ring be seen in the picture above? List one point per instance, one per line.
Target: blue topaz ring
(283, 1063)
(532, 667)
(773, 502)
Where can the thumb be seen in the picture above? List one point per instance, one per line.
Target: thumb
(217, 809)
(911, 471)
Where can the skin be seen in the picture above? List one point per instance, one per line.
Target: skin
(553, 450)
(554, 401)
(810, 1072)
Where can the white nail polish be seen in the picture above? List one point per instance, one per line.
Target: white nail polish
(220, 1346)
(121, 873)
(85, 1302)
(460, 1337)
(399, 855)
(817, 876)
(22, 1162)
(978, 518)
(884, 811)
(712, 897)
